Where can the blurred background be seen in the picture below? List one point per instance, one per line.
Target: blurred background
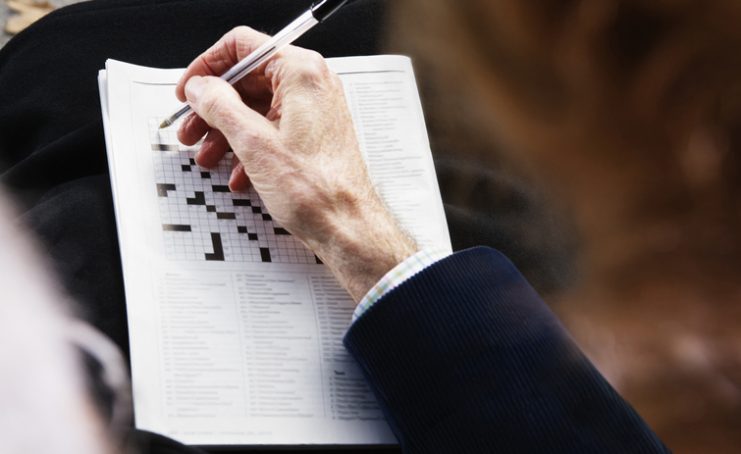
(618, 124)
(15, 15)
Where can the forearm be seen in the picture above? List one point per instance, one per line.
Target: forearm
(362, 249)
(465, 357)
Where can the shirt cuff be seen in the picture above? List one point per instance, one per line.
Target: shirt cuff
(398, 275)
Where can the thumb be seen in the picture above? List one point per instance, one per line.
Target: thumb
(219, 105)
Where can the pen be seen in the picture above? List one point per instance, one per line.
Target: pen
(319, 11)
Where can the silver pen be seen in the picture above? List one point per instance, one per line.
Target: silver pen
(318, 12)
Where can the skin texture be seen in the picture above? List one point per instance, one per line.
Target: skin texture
(294, 142)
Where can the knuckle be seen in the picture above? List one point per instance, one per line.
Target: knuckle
(314, 58)
(244, 36)
(208, 58)
(239, 33)
(312, 68)
(242, 29)
(318, 64)
(237, 42)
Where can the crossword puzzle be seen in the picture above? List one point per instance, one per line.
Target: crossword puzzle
(203, 220)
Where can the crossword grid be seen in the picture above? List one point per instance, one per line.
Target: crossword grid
(202, 220)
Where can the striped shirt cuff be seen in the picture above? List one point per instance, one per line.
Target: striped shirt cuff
(398, 275)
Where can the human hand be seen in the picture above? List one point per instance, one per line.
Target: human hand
(294, 142)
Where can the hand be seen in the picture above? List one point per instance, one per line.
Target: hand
(294, 142)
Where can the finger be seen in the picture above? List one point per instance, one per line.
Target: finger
(297, 68)
(227, 51)
(238, 181)
(297, 76)
(214, 148)
(219, 105)
(192, 129)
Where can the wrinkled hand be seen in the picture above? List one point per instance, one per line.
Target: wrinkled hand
(293, 140)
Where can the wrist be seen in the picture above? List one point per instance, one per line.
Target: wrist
(361, 250)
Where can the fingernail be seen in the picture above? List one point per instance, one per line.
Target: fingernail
(194, 87)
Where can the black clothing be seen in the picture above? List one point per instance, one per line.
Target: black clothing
(466, 358)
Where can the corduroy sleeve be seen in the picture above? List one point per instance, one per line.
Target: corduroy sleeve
(466, 358)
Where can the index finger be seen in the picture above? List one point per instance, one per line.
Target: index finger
(225, 53)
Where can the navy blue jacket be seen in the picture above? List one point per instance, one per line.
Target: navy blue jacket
(466, 358)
